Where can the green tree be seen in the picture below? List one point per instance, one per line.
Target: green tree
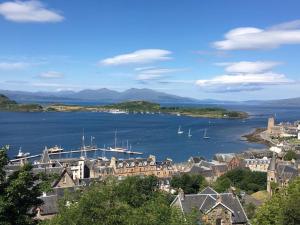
(290, 155)
(114, 202)
(243, 179)
(19, 193)
(222, 184)
(250, 210)
(189, 183)
(283, 208)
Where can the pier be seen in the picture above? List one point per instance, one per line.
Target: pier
(124, 151)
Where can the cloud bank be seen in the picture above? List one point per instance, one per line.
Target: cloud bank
(28, 11)
(154, 73)
(142, 56)
(244, 76)
(51, 75)
(251, 38)
(13, 65)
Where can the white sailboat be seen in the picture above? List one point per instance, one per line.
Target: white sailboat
(189, 135)
(117, 149)
(179, 130)
(205, 135)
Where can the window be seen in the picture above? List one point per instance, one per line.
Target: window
(218, 221)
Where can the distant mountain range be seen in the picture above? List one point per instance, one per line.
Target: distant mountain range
(100, 95)
(105, 95)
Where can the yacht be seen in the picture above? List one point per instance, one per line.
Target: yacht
(55, 149)
(205, 135)
(179, 130)
(189, 135)
(22, 154)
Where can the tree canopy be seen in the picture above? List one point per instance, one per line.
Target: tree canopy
(133, 201)
(290, 155)
(189, 183)
(243, 179)
(282, 209)
(19, 194)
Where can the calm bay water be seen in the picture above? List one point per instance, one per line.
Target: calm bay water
(151, 134)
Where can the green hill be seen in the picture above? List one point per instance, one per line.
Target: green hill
(138, 106)
(7, 104)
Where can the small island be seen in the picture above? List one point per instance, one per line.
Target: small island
(149, 107)
(7, 104)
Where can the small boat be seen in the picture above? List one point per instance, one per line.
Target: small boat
(189, 135)
(205, 135)
(179, 130)
(117, 111)
(22, 154)
(55, 149)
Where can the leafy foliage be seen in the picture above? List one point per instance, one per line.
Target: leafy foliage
(135, 201)
(283, 208)
(243, 179)
(189, 183)
(18, 194)
(290, 155)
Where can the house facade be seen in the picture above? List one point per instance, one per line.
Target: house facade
(213, 207)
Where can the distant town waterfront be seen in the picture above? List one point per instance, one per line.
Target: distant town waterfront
(147, 133)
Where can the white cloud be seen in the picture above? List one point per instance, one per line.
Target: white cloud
(244, 76)
(255, 38)
(28, 11)
(13, 65)
(138, 57)
(248, 66)
(51, 75)
(155, 73)
(268, 78)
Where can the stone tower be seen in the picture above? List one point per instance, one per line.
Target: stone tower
(271, 124)
(271, 174)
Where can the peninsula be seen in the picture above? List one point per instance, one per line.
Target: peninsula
(149, 107)
(7, 104)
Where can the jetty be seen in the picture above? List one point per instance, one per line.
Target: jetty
(123, 151)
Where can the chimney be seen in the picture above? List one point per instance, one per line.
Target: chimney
(219, 198)
(113, 162)
(181, 194)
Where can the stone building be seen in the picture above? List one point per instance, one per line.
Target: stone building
(259, 165)
(214, 208)
(280, 173)
(141, 167)
(273, 129)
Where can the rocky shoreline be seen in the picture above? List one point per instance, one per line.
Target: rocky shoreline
(255, 137)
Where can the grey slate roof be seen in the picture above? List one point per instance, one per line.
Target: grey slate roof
(208, 199)
(50, 205)
(208, 191)
(286, 172)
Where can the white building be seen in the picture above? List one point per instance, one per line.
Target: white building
(276, 149)
(260, 165)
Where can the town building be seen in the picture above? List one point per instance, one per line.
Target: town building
(142, 167)
(214, 208)
(280, 173)
(259, 165)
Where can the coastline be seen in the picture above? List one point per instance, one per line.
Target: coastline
(255, 137)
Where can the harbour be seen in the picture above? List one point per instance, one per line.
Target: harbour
(147, 133)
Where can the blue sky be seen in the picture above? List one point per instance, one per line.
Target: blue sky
(218, 49)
